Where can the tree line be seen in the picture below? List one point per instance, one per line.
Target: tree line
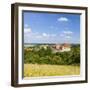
(45, 56)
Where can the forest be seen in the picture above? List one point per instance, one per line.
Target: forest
(45, 56)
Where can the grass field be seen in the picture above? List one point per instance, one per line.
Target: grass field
(36, 70)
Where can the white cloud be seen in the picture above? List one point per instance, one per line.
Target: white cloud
(27, 30)
(48, 35)
(68, 37)
(39, 37)
(67, 32)
(63, 19)
(45, 34)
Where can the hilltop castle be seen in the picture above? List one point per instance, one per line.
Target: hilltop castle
(61, 48)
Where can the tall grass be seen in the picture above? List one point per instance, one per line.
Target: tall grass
(36, 70)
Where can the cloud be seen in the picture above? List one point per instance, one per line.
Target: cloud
(64, 19)
(38, 37)
(45, 34)
(67, 32)
(27, 30)
(68, 37)
(48, 35)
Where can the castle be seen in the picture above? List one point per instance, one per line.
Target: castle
(61, 48)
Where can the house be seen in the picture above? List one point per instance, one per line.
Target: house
(61, 48)
(66, 47)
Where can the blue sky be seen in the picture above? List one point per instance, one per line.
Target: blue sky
(51, 28)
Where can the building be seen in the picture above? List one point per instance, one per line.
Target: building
(61, 48)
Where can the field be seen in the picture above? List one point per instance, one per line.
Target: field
(36, 70)
(47, 60)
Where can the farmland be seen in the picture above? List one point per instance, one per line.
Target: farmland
(36, 70)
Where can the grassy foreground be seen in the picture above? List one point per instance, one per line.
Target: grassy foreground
(36, 70)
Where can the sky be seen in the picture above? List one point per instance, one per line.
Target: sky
(41, 27)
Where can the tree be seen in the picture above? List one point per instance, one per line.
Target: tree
(45, 56)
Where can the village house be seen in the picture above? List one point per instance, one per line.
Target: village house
(61, 48)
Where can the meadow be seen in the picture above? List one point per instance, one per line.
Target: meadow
(37, 70)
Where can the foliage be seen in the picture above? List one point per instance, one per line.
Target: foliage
(45, 56)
